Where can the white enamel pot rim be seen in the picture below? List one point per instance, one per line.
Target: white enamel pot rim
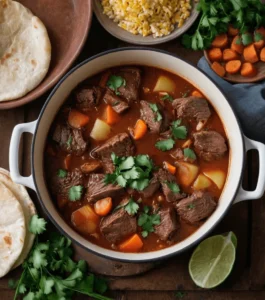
(232, 192)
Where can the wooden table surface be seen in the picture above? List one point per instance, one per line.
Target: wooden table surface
(246, 219)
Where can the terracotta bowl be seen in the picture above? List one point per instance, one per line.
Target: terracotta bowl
(68, 23)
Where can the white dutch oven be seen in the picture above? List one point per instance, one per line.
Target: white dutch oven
(239, 144)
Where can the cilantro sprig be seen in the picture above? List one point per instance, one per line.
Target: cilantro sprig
(50, 273)
(155, 109)
(147, 221)
(246, 15)
(133, 171)
(167, 97)
(75, 193)
(115, 82)
(131, 207)
(189, 153)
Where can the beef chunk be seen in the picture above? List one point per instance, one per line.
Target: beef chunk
(116, 102)
(192, 108)
(88, 98)
(70, 140)
(209, 145)
(132, 78)
(196, 207)
(178, 154)
(168, 226)
(121, 144)
(153, 186)
(118, 226)
(150, 117)
(61, 186)
(97, 189)
(165, 178)
(91, 167)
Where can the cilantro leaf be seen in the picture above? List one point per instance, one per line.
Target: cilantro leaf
(12, 284)
(148, 221)
(140, 184)
(61, 173)
(22, 288)
(165, 145)
(131, 207)
(39, 259)
(69, 141)
(127, 164)
(100, 285)
(167, 97)
(258, 37)
(189, 153)
(37, 225)
(173, 187)
(116, 82)
(46, 284)
(29, 296)
(121, 181)
(155, 109)
(143, 160)
(179, 132)
(246, 39)
(75, 193)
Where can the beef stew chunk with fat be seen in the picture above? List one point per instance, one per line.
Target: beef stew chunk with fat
(130, 168)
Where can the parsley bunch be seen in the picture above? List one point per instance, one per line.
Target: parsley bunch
(50, 273)
(133, 172)
(246, 15)
(179, 132)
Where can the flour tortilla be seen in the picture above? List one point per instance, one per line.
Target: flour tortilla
(12, 229)
(25, 50)
(28, 208)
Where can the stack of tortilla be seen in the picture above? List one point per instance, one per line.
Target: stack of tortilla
(16, 210)
(25, 50)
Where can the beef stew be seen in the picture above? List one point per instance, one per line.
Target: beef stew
(136, 159)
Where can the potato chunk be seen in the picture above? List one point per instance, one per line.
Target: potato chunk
(187, 173)
(100, 131)
(85, 219)
(165, 84)
(202, 182)
(217, 176)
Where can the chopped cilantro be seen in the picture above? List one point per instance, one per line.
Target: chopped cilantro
(238, 41)
(75, 193)
(168, 98)
(148, 221)
(191, 206)
(179, 132)
(165, 145)
(173, 187)
(131, 207)
(155, 109)
(258, 37)
(69, 141)
(61, 173)
(189, 153)
(116, 82)
(37, 225)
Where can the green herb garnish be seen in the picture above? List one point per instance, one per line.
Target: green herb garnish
(50, 273)
(61, 173)
(189, 153)
(165, 145)
(179, 132)
(191, 206)
(147, 221)
(168, 98)
(132, 171)
(75, 193)
(116, 82)
(245, 15)
(258, 37)
(69, 141)
(155, 109)
(246, 39)
(131, 207)
(173, 187)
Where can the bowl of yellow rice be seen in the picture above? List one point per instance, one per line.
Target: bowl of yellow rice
(146, 22)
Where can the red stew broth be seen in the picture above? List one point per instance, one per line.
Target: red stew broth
(143, 146)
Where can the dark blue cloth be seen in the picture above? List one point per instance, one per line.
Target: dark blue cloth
(247, 100)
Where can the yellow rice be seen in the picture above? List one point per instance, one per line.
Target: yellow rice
(146, 17)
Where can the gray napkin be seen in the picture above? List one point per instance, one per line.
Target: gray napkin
(247, 101)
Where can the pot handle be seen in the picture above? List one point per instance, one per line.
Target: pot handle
(259, 191)
(14, 154)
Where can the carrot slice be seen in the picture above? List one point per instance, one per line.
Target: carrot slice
(248, 70)
(85, 219)
(218, 69)
(237, 45)
(133, 244)
(197, 94)
(140, 129)
(215, 54)
(233, 66)
(77, 120)
(103, 207)
(220, 41)
(67, 161)
(232, 31)
(262, 54)
(230, 54)
(250, 54)
(112, 116)
(171, 169)
(260, 44)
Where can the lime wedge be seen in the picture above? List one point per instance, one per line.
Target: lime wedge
(213, 260)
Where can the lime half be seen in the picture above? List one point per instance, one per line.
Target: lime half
(213, 260)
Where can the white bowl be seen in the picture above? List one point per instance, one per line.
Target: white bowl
(232, 192)
(128, 37)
